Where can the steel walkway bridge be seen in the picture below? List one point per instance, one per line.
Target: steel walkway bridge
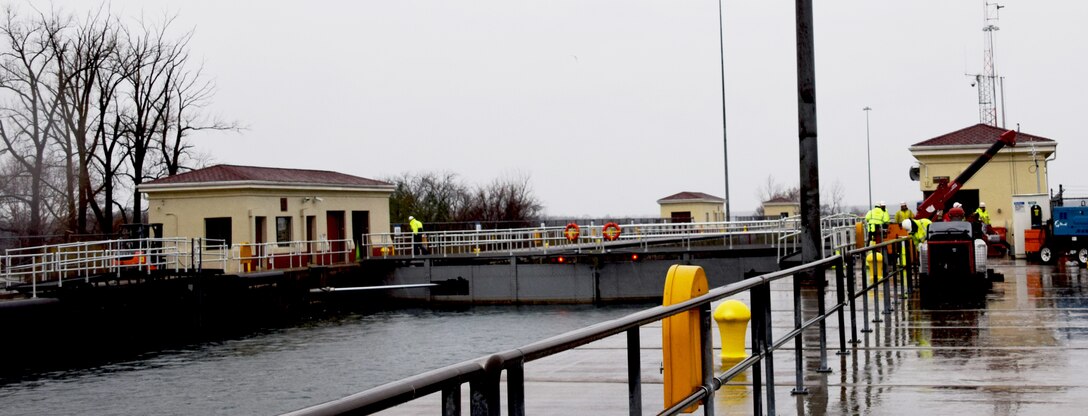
(54, 264)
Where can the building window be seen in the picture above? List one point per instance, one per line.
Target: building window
(218, 229)
(283, 204)
(283, 231)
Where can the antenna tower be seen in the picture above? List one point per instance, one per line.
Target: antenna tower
(987, 80)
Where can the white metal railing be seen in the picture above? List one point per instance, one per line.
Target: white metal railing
(591, 237)
(59, 262)
(253, 257)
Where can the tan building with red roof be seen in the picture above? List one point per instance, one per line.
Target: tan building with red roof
(781, 207)
(269, 205)
(1019, 170)
(692, 207)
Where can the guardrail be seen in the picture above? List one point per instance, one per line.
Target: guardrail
(483, 374)
(589, 237)
(60, 262)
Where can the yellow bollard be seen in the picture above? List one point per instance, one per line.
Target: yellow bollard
(879, 265)
(732, 317)
(680, 335)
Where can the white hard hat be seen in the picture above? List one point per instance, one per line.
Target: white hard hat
(982, 205)
(881, 203)
(411, 217)
(903, 203)
(957, 205)
(906, 225)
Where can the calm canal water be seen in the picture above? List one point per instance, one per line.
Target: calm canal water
(289, 368)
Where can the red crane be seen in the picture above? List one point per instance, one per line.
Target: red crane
(945, 190)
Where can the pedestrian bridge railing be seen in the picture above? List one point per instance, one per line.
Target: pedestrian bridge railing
(83, 260)
(58, 262)
(588, 237)
(484, 374)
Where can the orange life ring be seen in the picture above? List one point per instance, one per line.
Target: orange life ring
(572, 231)
(611, 231)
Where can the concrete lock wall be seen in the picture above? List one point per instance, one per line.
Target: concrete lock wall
(564, 283)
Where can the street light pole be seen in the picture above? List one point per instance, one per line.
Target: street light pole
(725, 139)
(868, 156)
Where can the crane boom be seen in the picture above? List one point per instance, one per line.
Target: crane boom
(945, 190)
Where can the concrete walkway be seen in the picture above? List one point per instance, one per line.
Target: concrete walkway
(1023, 351)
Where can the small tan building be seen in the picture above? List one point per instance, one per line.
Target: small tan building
(781, 207)
(692, 207)
(268, 205)
(1018, 170)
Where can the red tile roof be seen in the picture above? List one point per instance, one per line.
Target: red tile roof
(979, 134)
(782, 199)
(233, 173)
(689, 196)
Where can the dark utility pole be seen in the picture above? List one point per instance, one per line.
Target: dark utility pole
(806, 123)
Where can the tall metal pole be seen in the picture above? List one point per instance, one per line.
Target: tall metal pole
(725, 140)
(868, 157)
(806, 117)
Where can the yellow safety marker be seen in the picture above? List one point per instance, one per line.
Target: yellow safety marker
(859, 235)
(879, 265)
(680, 335)
(732, 317)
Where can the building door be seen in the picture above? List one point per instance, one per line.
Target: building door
(360, 229)
(681, 216)
(259, 224)
(311, 236)
(336, 234)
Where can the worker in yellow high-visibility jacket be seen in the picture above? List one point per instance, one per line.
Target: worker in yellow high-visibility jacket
(904, 213)
(877, 219)
(983, 216)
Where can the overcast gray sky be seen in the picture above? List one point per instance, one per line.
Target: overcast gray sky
(609, 105)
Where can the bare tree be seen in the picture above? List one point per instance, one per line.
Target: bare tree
(431, 197)
(509, 201)
(189, 93)
(144, 63)
(83, 58)
(29, 113)
(834, 199)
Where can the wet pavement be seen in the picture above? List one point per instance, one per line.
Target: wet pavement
(1021, 350)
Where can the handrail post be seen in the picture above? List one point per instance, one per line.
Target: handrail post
(763, 292)
(865, 301)
(634, 372)
(911, 252)
(707, 342)
(822, 308)
(886, 282)
(840, 296)
(798, 353)
(484, 389)
(757, 349)
(451, 400)
(515, 389)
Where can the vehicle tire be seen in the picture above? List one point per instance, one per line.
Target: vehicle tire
(1082, 256)
(1046, 255)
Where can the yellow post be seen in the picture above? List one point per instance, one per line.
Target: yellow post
(878, 265)
(732, 317)
(680, 336)
(859, 235)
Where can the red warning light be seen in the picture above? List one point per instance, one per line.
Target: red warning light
(561, 259)
(634, 257)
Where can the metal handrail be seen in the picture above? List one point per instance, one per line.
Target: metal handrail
(56, 263)
(483, 373)
(545, 239)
